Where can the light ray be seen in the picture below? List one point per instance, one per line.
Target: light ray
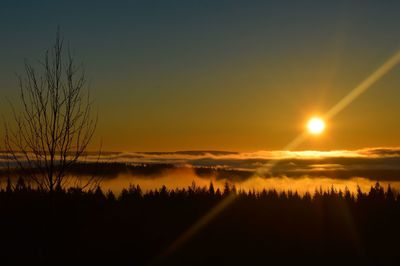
(203, 221)
(363, 86)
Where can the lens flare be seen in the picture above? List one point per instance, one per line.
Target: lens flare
(318, 125)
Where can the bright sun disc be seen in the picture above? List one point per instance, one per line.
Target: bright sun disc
(315, 125)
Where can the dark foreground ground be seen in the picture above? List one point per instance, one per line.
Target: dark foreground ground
(266, 228)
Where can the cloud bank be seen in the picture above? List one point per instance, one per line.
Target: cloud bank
(373, 163)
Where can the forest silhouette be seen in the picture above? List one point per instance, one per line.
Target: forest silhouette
(92, 227)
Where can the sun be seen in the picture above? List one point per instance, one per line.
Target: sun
(316, 125)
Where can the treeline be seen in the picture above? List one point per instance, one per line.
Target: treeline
(135, 192)
(94, 227)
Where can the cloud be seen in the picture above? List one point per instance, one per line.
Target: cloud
(379, 163)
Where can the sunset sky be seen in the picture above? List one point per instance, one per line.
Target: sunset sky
(219, 75)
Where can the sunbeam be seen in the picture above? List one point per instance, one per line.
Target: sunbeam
(363, 86)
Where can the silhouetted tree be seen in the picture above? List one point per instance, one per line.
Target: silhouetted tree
(20, 186)
(55, 125)
(233, 190)
(211, 189)
(218, 193)
(389, 194)
(227, 189)
(110, 196)
(99, 194)
(377, 192)
(9, 185)
(163, 192)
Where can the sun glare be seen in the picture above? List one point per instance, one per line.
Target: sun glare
(316, 125)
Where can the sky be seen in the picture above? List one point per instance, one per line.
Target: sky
(218, 75)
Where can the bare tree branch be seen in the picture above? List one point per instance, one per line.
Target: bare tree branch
(55, 124)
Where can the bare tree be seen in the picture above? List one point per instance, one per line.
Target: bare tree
(53, 126)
